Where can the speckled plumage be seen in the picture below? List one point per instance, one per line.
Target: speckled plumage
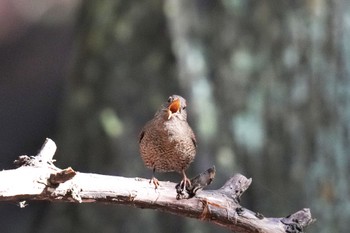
(168, 144)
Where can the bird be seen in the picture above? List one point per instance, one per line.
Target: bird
(167, 143)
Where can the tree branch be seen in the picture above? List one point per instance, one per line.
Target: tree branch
(39, 179)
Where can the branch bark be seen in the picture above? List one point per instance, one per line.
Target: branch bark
(38, 179)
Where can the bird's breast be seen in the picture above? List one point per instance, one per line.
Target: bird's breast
(168, 146)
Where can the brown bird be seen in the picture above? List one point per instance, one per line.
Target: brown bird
(167, 142)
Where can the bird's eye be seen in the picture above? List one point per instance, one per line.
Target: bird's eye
(184, 107)
(170, 99)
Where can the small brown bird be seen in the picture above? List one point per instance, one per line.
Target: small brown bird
(167, 142)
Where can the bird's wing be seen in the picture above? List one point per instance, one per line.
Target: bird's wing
(141, 135)
(193, 138)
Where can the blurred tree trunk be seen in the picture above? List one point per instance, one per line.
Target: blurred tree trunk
(123, 52)
(269, 86)
(124, 70)
(279, 75)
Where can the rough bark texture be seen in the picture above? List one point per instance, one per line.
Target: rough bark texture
(39, 179)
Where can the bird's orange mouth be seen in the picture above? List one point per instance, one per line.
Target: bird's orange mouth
(174, 107)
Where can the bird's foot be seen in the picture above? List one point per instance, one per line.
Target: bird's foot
(182, 188)
(154, 181)
(195, 185)
(185, 183)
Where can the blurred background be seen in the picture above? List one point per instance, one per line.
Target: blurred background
(267, 84)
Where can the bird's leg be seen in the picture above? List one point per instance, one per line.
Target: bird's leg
(154, 180)
(185, 181)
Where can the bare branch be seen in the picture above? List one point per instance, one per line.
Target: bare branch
(39, 179)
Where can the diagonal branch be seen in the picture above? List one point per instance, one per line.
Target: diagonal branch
(39, 179)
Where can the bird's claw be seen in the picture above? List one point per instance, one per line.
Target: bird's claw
(195, 184)
(155, 182)
(182, 188)
(185, 183)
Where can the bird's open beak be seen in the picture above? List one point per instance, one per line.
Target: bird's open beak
(174, 107)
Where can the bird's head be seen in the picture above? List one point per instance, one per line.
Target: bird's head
(176, 107)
